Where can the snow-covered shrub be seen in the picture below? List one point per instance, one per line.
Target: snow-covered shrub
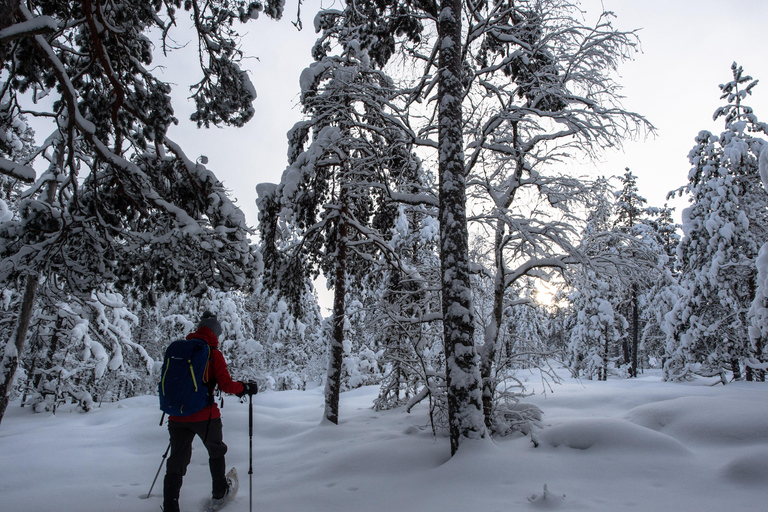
(82, 350)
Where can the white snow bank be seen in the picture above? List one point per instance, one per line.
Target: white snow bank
(705, 419)
(749, 469)
(609, 434)
(383, 461)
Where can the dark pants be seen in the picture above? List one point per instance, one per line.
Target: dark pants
(182, 434)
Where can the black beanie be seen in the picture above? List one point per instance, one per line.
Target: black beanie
(210, 321)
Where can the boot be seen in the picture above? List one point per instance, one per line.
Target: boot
(171, 489)
(218, 468)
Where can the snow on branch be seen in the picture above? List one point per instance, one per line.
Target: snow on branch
(17, 171)
(36, 26)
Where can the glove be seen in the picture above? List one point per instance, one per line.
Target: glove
(249, 388)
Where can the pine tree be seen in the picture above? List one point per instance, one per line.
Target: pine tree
(119, 203)
(331, 211)
(660, 296)
(723, 230)
(630, 219)
(597, 323)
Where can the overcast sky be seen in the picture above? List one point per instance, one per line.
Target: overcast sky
(687, 50)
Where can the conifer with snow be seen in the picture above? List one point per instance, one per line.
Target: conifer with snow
(724, 228)
(119, 203)
(332, 210)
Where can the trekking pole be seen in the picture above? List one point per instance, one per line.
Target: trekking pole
(158, 470)
(250, 442)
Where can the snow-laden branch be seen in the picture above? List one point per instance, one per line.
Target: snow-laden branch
(527, 268)
(17, 171)
(88, 130)
(31, 27)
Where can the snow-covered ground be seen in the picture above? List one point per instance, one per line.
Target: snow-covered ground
(640, 445)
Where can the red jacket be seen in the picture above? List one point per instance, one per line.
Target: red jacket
(216, 375)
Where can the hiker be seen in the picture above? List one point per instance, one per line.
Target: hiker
(205, 423)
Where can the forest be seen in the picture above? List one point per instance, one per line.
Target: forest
(428, 182)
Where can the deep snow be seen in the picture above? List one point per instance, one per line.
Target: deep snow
(640, 445)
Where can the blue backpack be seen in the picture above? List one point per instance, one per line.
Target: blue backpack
(183, 390)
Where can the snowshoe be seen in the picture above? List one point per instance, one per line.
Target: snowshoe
(232, 487)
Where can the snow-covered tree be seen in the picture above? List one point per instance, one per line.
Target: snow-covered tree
(616, 258)
(758, 311)
(660, 291)
(511, 78)
(82, 349)
(628, 217)
(331, 211)
(406, 19)
(557, 105)
(597, 328)
(406, 317)
(119, 202)
(724, 228)
(634, 219)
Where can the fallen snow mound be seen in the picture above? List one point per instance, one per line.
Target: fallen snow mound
(704, 419)
(751, 469)
(609, 434)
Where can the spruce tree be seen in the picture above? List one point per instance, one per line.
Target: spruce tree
(724, 227)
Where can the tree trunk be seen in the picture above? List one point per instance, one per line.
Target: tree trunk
(465, 414)
(490, 346)
(625, 350)
(336, 342)
(604, 369)
(635, 331)
(736, 368)
(15, 346)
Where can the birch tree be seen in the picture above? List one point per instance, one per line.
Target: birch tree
(500, 88)
(557, 103)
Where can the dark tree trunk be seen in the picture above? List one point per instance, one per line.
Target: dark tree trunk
(336, 342)
(736, 369)
(465, 415)
(10, 362)
(492, 335)
(626, 351)
(635, 331)
(604, 369)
